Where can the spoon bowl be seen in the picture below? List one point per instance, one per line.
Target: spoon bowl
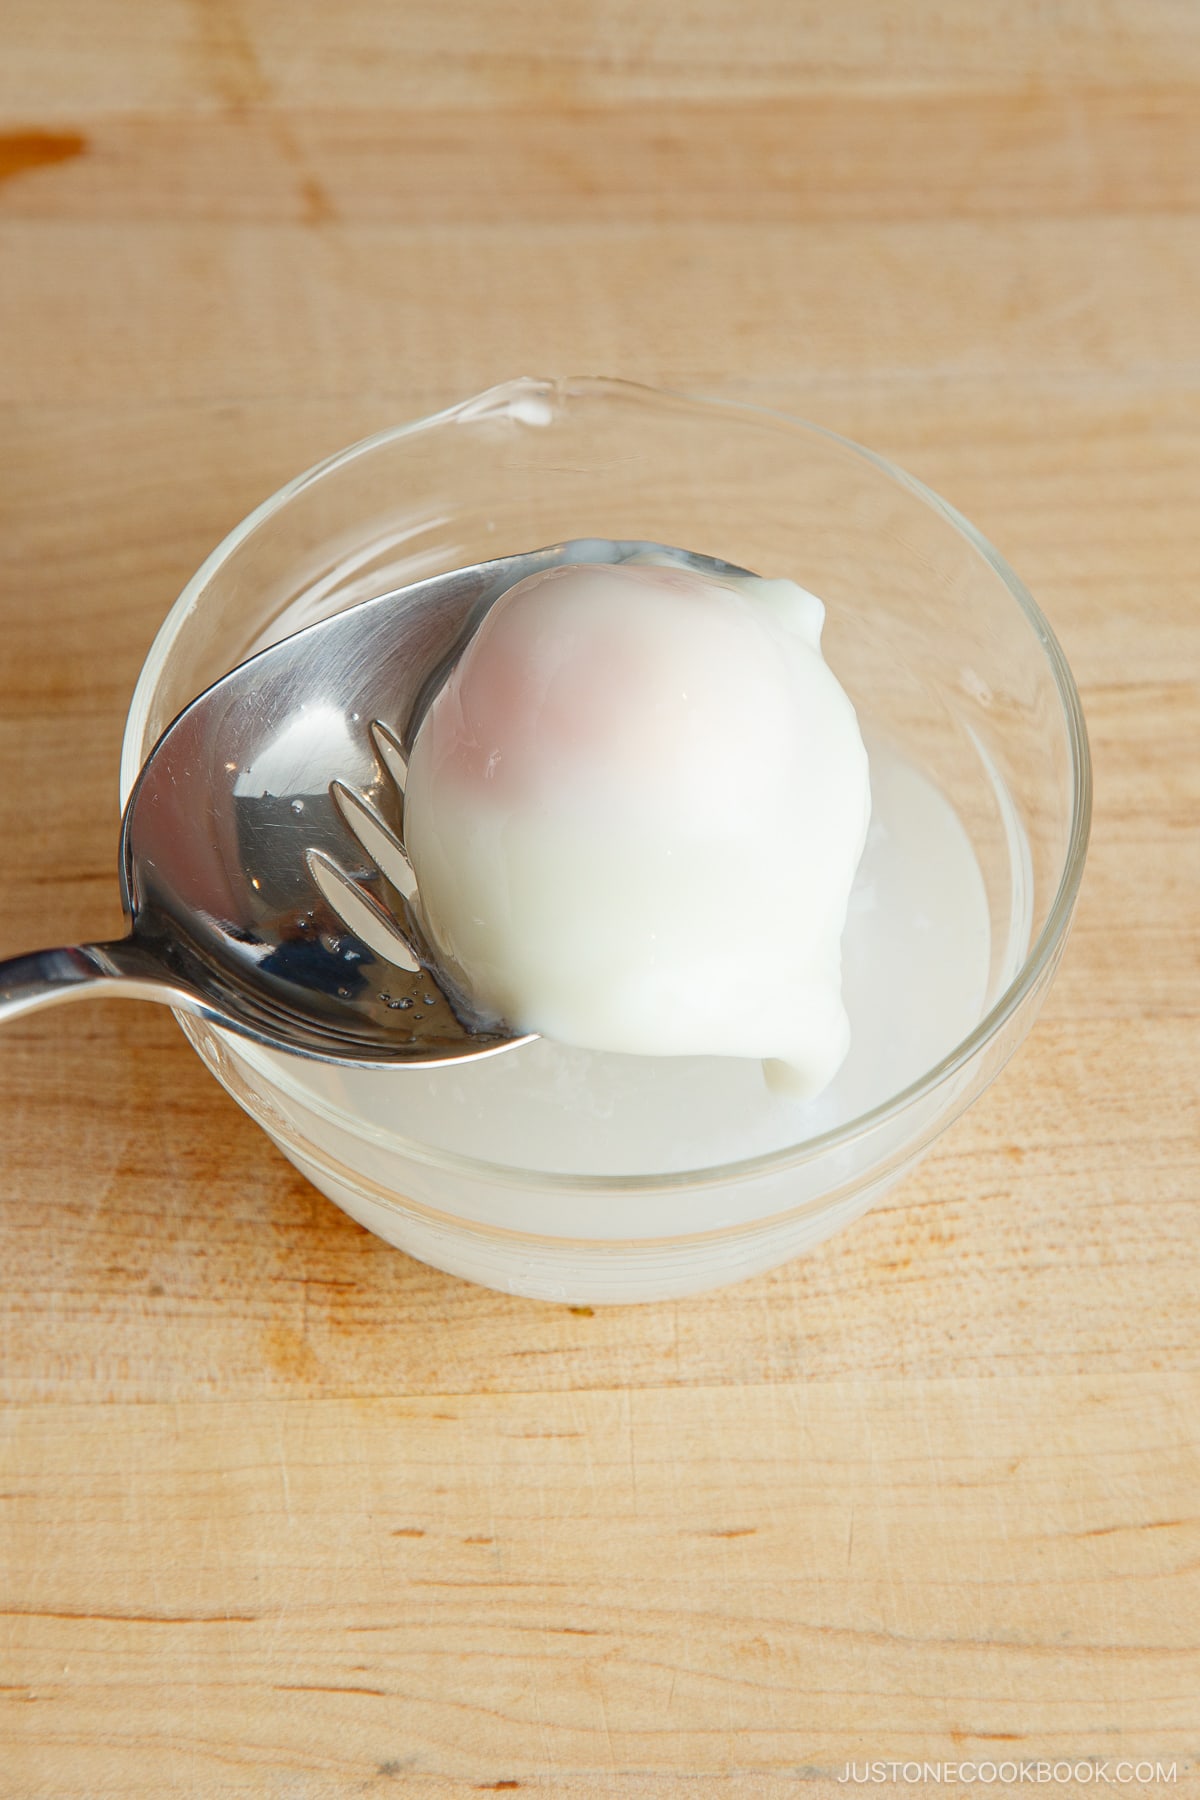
(262, 856)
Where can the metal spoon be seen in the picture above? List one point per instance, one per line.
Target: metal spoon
(261, 859)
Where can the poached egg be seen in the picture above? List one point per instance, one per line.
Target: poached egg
(635, 810)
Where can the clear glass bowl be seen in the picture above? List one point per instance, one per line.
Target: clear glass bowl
(583, 1178)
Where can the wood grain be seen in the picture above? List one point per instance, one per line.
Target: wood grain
(490, 1587)
(860, 301)
(283, 1513)
(1085, 151)
(104, 58)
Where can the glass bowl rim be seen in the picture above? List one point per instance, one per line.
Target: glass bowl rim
(1038, 962)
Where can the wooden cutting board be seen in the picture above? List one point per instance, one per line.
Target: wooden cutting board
(283, 1513)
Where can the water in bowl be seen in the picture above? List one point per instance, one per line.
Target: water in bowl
(917, 956)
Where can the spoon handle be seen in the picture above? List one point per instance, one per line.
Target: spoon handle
(47, 977)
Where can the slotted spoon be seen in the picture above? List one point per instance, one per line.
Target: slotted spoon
(261, 856)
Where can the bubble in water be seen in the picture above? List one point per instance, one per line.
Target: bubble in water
(297, 806)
